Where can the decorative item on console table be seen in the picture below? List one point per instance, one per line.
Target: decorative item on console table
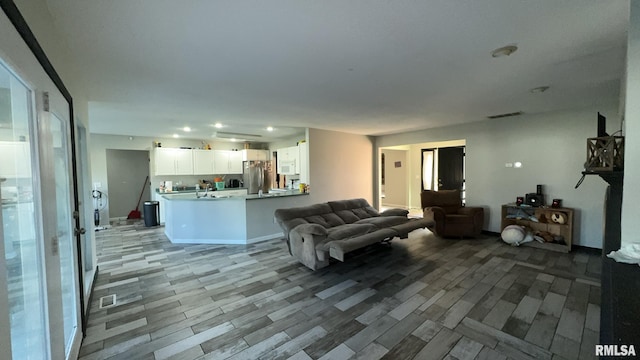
(555, 224)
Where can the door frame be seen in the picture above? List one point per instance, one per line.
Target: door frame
(13, 14)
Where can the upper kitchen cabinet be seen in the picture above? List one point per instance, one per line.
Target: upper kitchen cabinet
(288, 160)
(170, 161)
(254, 154)
(227, 162)
(203, 162)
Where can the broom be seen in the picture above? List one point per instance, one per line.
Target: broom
(135, 214)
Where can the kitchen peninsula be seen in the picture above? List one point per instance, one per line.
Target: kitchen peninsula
(226, 219)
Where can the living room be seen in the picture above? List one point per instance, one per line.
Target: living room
(260, 300)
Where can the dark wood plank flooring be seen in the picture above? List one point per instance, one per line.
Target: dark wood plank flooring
(418, 298)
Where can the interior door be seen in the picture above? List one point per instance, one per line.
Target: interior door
(451, 168)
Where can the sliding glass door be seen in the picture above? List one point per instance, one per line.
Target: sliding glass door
(39, 308)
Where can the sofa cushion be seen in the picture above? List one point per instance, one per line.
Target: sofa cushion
(333, 219)
(383, 221)
(347, 216)
(292, 217)
(317, 219)
(353, 204)
(348, 231)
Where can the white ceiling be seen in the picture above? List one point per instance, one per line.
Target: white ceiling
(360, 66)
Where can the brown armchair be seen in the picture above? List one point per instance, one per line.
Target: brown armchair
(451, 218)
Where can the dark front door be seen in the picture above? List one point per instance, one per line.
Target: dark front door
(451, 168)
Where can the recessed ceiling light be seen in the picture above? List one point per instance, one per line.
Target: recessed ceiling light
(233, 139)
(504, 51)
(539, 89)
(269, 128)
(186, 129)
(176, 136)
(218, 125)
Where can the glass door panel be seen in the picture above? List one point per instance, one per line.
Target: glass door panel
(65, 227)
(22, 258)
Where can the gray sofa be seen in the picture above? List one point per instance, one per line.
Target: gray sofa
(316, 232)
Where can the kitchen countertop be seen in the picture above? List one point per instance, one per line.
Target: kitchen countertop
(214, 195)
(193, 190)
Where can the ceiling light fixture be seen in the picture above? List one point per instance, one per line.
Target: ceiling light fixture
(218, 125)
(176, 136)
(539, 89)
(233, 139)
(269, 128)
(504, 51)
(186, 129)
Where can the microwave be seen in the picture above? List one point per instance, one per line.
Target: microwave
(287, 167)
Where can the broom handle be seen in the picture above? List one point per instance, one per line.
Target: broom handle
(142, 192)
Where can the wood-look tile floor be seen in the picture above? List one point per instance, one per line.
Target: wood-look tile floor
(418, 298)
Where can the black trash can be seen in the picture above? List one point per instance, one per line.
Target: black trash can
(151, 213)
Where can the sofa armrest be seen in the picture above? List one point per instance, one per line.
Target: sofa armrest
(311, 229)
(437, 215)
(478, 217)
(395, 212)
(303, 241)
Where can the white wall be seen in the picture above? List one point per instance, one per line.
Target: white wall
(631, 196)
(552, 148)
(341, 166)
(396, 178)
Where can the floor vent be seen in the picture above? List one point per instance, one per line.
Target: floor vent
(107, 301)
(505, 115)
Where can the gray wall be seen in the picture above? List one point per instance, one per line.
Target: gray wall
(552, 148)
(126, 173)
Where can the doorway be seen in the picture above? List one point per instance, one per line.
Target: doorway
(126, 174)
(444, 169)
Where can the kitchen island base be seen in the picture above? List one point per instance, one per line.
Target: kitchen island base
(235, 220)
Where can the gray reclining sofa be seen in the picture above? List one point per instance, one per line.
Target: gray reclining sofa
(316, 232)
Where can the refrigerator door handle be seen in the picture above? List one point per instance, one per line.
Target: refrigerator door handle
(261, 184)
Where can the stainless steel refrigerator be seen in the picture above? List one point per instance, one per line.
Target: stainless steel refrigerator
(257, 175)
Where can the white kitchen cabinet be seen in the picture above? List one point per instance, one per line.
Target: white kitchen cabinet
(235, 162)
(288, 160)
(203, 162)
(255, 154)
(227, 162)
(169, 161)
(303, 160)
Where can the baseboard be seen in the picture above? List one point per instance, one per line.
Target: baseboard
(490, 233)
